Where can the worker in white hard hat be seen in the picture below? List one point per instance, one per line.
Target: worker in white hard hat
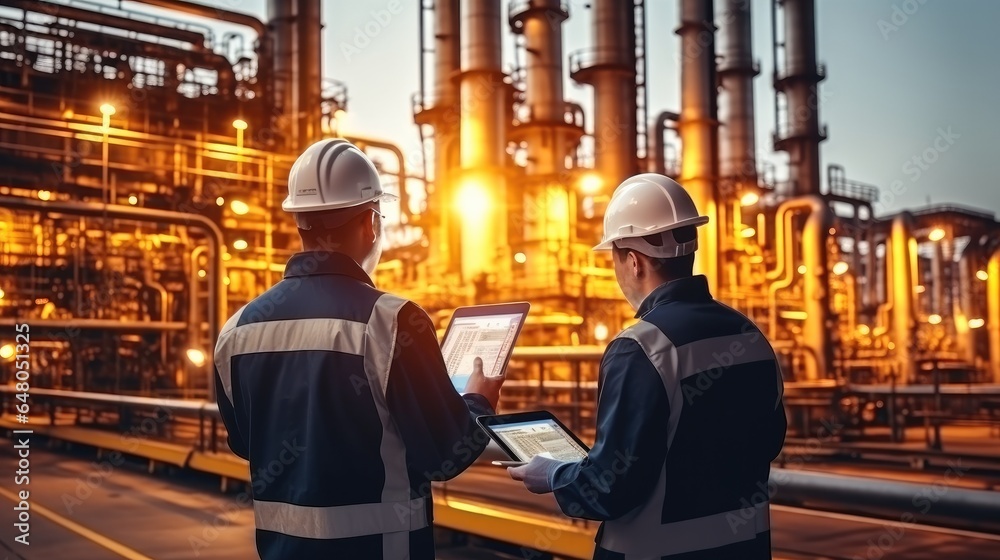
(689, 412)
(337, 393)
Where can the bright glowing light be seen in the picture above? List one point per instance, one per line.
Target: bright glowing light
(6, 351)
(68, 114)
(833, 231)
(133, 200)
(891, 345)
(239, 207)
(936, 234)
(240, 244)
(196, 357)
(601, 332)
(226, 256)
(520, 258)
(2, 293)
(107, 109)
(226, 280)
(748, 232)
(840, 268)
(591, 183)
(473, 200)
(240, 124)
(339, 114)
(202, 273)
(802, 269)
(749, 199)
(41, 301)
(919, 289)
(863, 330)
(934, 319)
(220, 201)
(794, 315)
(976, 323)
(983, 275)
(44, 195)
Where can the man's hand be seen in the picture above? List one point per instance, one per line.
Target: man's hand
(488, 387)
(537, 474)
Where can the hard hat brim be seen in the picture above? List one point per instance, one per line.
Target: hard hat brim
(697, 221)
(384, 197)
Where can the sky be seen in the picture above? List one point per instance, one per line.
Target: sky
(909, 100)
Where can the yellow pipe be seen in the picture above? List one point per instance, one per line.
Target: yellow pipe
(904, 249)
(993, 303)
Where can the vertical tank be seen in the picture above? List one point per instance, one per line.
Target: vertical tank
(737, 69)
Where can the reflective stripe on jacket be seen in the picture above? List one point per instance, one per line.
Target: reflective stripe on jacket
(689, 418)
(338, 396)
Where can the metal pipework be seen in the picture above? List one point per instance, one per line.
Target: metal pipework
(482, 193)
(815, 281)
(798, 82)
(217, 300)
(903, 251)
(699, 127)
(295, 26)
(736, 73)
(658, 146)
(540, 21)
(993, 315)
(612, 74)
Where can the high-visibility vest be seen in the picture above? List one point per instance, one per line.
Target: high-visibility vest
(395, 515)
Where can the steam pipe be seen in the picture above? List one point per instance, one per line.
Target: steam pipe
(903, 251)
(658, 148)
(483, 127)
(993, 305)
(736, 73)
(699, 127)
(210, 12)
(147, 275)
(115, 211)
(815, 288)
(404, 197)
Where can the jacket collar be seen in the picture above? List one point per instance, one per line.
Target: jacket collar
(315, 263)
(692, 288)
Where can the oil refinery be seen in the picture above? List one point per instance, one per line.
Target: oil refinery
(144, 158)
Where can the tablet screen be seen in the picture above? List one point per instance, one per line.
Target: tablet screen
(479, 342)
(527, 439)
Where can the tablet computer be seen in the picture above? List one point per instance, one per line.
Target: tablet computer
(523, 435)
(481, 337)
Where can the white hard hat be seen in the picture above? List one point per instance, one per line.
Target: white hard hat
(645, 204)
(332, 174)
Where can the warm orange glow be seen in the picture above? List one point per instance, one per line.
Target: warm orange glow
(591, 183)
(919, 289)
(107, 109)
(68, 114)
(936, 234)
(226, 256)
(202, 273)
(239, 207)
(240, 244)
(749, 199)
(133, 200)
(196, 356)
(339, 114)
(601, 332)
(802, 269)
(864, 330)
(2, 293)
(472, 201)
(982, 275)
(794, 315)
(220, 201)
(240, 124)
(976, 323)
(6, 351)
(748, 232)
(520, 258)
(840, 268)
(934, 319)
(44, 195)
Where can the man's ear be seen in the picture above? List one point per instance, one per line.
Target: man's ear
(636, 264)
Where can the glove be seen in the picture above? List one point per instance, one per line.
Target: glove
(537, 474)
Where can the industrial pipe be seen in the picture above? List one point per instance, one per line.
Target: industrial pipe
(816, 278)
(210, 12)
(481, 197)
(738, 148)
(404, 197)
(699, 128)
(658, 146)
(993, 305)
(217, 308)
(447, 65)
(98, 324)
(903, 251)
(309, 70)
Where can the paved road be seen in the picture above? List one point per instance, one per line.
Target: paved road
(96, 510)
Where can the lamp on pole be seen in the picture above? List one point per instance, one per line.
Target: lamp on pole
(107, 110)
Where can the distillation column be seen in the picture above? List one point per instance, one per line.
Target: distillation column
(548, 201)
(737, 159)
(611, 69)
(797, 81)
(444, 117)
(993, 316)
(481, 197)
(296, 27)
(699, 128)
(903, 251)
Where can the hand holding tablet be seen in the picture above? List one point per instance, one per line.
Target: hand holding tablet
(526, 434)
